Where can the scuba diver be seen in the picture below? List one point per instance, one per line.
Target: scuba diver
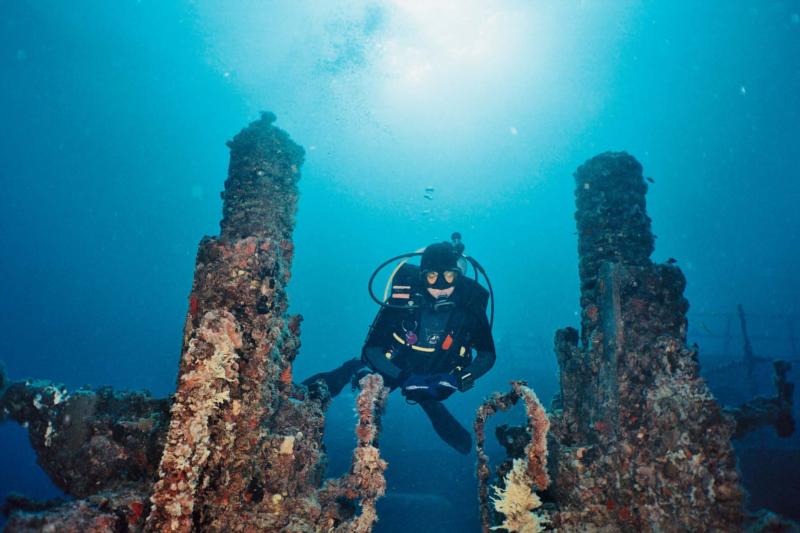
(431, 336)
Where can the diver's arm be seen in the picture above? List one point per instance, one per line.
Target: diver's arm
(482, 363)
(376, 358)
(379, 338)
(484, 359)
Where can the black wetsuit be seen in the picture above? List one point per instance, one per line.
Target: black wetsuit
(430, 337)
(431, 340)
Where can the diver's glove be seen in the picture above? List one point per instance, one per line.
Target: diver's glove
(481, 365)
(358, 374)
(465, 381)
(436, 387)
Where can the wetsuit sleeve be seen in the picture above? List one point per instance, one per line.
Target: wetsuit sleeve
(483, 342)
(378, 340)
(482, 363)
(376, 358)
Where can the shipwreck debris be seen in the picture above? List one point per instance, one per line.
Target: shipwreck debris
(122, 509)
(88, 440)
(513, 499)
(775, 411)
(365, 481)
(242, 444)
(638, 441)
(231, 410)
(643, 443)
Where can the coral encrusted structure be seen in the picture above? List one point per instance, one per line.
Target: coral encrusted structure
(88, 440)
(644, 446)
(244, 447)
(242, 444)
(96, 444)
(514, 500)
(365, 482)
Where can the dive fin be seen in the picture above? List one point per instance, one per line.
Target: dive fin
(447, 427)
(338, 378)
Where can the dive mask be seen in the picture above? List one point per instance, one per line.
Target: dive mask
(443, 280)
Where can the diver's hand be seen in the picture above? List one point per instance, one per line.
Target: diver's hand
(358, 375)
(437, 387)
(466, 382)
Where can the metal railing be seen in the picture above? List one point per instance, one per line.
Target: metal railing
(748, 358)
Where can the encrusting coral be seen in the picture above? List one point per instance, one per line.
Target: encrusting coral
(515, 497)
(517, 501)
(232, 411)
(365, 481)
(643, 444)
(209, 366)
(638, 442)
(88, 441)
(244, 449)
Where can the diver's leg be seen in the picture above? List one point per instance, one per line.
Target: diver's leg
(447, 427)
(338, 378)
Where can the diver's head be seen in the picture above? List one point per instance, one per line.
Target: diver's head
(439, 269)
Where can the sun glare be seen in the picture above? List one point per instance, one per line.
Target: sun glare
(433, 42)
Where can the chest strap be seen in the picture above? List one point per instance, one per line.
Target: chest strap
(399, 339)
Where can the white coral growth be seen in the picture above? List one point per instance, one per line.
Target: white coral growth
(517, 501)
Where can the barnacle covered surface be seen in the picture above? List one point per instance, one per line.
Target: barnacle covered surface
(512, 502)
(88, 440)
(242, 444)
(637, 443)
(365, 481)
(644, 444)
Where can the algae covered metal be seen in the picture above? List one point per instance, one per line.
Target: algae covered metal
(635, 441)
(644, 444)
(239, 445)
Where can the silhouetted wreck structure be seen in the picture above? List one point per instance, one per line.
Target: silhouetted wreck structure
(636, 441)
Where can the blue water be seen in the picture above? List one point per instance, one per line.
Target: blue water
(113, 118)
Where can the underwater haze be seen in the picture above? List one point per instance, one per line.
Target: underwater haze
(113, 122)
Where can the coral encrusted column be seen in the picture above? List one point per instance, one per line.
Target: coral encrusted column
(644, 444)
(242, 445)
